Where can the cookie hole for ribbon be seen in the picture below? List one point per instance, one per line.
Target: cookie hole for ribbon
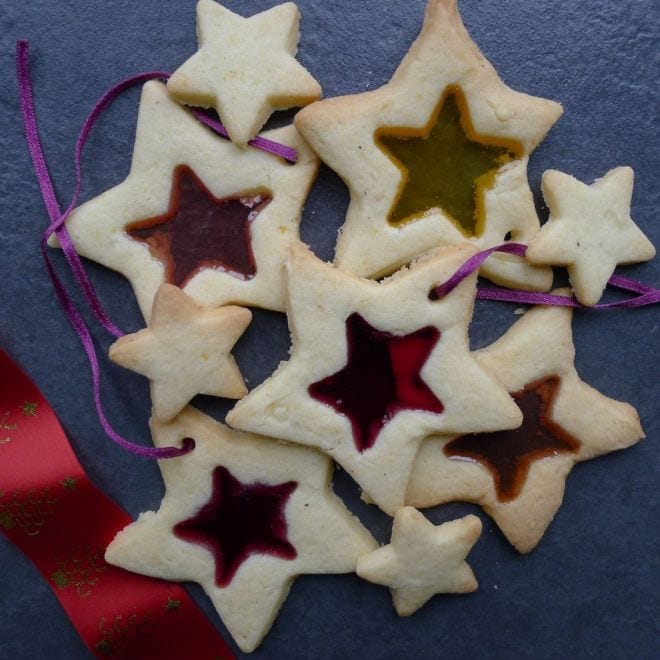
(187, 445)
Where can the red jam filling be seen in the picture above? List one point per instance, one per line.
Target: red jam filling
(509, 454)
(381, 378)
(238, 521)
(200, 231)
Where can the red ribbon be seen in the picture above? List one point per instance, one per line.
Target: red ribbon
(52, 512)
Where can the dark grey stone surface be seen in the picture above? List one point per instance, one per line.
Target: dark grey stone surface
(591, 587)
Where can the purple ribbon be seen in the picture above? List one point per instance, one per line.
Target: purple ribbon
(288, 153)
(648, 295)
(56, 226)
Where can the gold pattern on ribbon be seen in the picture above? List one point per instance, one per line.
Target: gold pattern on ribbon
(82, 572)
(69, 483)
(120, 636)
(6, 426)
(172, 605)
(29, 408)
(28, 511)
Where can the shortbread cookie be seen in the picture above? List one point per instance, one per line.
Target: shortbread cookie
(423, 559)
(518, 476)
(197, 211)
(374, 368)
(437, 156)
(589, 230)
(245, 67)
(242, 516)
(185, 351)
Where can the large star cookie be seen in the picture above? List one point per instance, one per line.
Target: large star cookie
(518, 476)
(245, 67)
(242, 516)
(374, 368)
(423, 559)
(437, 156)
(589, 230)
(185, 351)
(197, 211)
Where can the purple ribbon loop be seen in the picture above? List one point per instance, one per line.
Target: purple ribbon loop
(56, 226)
(472, 264)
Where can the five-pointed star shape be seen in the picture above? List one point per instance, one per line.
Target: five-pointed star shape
(445, 166)
(343, 131)
(185, 351)
(200, 231)
(245, 67)
(589, 230)
(167, 137)
(238, 521)
(423, 559)
(509, 454)
(320, 299)
(381, 378)
(326, 537)
(538, 346)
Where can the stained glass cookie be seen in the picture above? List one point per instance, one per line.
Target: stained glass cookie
(436, 156)
(242, 516)
(518, 476)
(197, 212)
(245, 67)
(374, 368)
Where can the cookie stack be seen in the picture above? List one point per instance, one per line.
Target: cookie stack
(380, 378)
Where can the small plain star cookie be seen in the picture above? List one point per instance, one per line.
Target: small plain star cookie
(374, 368)
(589, 230)
(423, 559)
(242, 516)
(518, 476)
(185, 351)
(245, 67)
(197, 211)
(437, 156)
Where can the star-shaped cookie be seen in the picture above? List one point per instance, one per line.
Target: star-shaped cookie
(185, 351)
(518, 477)
(589, 230)
(242, 516)
(374, 368)
(187, 189)
(423, 559)
(245, 67)
(437, 156)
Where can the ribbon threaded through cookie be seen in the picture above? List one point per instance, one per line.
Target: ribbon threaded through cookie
(648, 295)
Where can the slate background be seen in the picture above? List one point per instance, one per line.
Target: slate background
(591, 588)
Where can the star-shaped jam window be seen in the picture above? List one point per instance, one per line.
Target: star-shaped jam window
(238, 521)
(445, 165)
(201, 231)
(381, 377)
(509, 454)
